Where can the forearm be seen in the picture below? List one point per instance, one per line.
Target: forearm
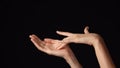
(72, 61)
(103, 55)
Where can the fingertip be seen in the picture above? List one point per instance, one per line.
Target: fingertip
(86, 29)
(57, 31)
(29, 36)
(31, 40)
(45, 39)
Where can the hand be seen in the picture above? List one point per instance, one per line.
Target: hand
(86, 38)
(101, 51)
(49, 46)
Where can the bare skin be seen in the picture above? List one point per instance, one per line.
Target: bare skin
(61, 48)
(92, 39)
(49, 46)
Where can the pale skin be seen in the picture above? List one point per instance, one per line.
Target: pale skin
(49, 46)
(92, 39)
(60, 47)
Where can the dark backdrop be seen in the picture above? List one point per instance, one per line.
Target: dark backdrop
(43, 18)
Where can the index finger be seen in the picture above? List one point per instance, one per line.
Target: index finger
(64, 33)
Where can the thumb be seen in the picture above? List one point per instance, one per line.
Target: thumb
(86, 30)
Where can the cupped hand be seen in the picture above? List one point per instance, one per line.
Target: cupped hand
(49, 46)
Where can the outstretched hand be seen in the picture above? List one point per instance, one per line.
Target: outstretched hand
(49, 46)
(60, 48)
(86, 38)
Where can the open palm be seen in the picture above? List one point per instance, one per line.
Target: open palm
(49, 46)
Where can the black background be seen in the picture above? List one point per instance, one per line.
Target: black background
(19, 19)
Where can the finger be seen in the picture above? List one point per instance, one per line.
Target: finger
(36, 41)
(57, 43)
(49, 40)
(61, 46)
(86, 30)
(33, 36)
(64, 33)
(37, 44)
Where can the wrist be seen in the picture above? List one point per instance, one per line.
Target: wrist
(72, 61)
(97, 41)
